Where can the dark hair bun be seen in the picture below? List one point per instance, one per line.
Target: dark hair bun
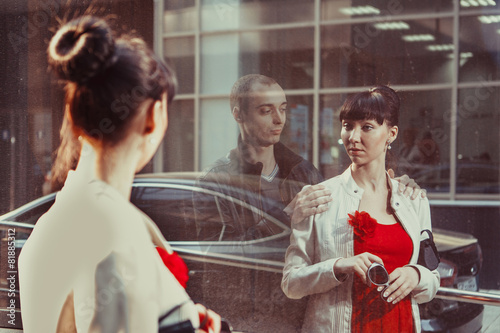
(81, 49)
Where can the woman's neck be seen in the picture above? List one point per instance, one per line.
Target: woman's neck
(112, 165)
(370, 177)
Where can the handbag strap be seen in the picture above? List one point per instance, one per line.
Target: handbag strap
(429, 233)
(172, 310)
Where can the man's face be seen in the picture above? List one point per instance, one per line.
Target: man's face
(263, 121)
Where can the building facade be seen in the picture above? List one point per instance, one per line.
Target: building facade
(442, 56)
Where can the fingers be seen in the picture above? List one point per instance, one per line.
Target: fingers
(358, 264)
(214, 322)
(311, 200)
(401, 283)
(210, 321)
(391, 173)
(410, 188)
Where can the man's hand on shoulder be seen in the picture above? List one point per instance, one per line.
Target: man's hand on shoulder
(311, 200)
(408, 186)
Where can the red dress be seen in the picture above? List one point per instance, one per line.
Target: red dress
(370, 313)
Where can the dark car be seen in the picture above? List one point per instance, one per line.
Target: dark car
(235, 269)
(471, 177)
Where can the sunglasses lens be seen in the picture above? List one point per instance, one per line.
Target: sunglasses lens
(378, 275)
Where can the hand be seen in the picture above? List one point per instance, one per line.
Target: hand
(311, 200)
(401, 282)
(358, 264)
(407, 185)
(209, 320)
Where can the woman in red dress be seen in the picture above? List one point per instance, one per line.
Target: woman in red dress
(367, 222)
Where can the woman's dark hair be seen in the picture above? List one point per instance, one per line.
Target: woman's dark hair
(107, 78)
(380, 103)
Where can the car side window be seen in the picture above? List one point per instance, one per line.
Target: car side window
(201, 215)
(32, 215)
(168, 208)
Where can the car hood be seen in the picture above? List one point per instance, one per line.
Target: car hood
(447, 240)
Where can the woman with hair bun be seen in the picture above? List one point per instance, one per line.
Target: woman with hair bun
(368, 226)
(90, 264)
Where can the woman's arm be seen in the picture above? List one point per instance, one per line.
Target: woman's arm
(302, 274)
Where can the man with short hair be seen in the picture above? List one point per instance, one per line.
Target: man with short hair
(260, 163)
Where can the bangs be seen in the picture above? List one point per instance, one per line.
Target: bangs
(364, 106)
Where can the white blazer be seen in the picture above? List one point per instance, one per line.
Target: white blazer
(319, 241)
(95, 245)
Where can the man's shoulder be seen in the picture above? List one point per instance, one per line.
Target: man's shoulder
(220, 167)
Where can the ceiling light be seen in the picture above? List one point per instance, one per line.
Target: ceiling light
(463, 55)
(487, 19)
(418, 38)
(400, 25)
(360, 10)
(477, 3)
(440, 47)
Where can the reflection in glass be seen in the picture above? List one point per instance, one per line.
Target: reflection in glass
(179, 15)
(332, 156)
(422, 148)
(297, 134)
(479, 49)
(180, 52)
(218, 131)
(285, 55)
(341, 9)
(178, 145)
(399, 52)
(219, 63)
(478, 155)
(235, 14)
(483, 5)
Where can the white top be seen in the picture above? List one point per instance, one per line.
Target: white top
(318, 242)
(95, 243)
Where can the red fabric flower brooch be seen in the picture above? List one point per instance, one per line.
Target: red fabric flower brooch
(176, 265)
(364, 225)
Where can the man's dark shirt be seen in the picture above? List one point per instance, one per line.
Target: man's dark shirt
(239, 179)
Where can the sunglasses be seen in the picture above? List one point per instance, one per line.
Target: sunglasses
(377, 275)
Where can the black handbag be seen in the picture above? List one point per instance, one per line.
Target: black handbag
(428, 255)
(180, 327)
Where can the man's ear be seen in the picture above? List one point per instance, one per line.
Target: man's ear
(237, 114)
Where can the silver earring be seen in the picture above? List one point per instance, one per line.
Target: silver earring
(153, 141)
(389, 145)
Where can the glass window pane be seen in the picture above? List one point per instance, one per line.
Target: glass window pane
(169, 208)
(179, 15)
(180, 52)
(285, 55)
(407, 52)
(342, 9)
(478, 140)
(297, 134)
(333, 159)
(421, 149)
(219, 63)
(481, 5)
(218, 130)
(178, 145)
(479, 48)
(234, 14)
